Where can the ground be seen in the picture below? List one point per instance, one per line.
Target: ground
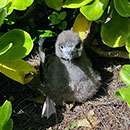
(103, 112)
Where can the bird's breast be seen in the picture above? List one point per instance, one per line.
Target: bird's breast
(75, 73)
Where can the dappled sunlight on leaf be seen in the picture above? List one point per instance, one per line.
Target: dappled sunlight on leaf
(81, 26)
(125, 74)
(75, 3)
(3, 3)
(20, 4)
(128, 43)
(115, 32)
(124, 94)
(15, 44)
(5, 113)
(94, 10)
(18, 70)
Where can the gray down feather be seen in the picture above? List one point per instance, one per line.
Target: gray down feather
(68, 74)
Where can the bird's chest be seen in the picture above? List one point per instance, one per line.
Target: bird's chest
(76, 74)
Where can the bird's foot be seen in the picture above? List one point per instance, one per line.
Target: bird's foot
(48, 108)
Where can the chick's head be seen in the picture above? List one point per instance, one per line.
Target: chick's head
(68, 45)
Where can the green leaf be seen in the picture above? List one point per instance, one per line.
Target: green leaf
(122, 7)
(11, 19)
(15, 44)
(54, 4)
(1, 34)
(75, 3)
(47, 33)
(62, 15)
(21, 4)
(128, 43)
(8, 125)
(124, 94)
(81, 26)
(115, 32)
(2, 16)
(94, 10)
(62, 25)
(4, 50)
(54, 18)
(18, 70)
(125, 74)
(3, 3)
(5, 113)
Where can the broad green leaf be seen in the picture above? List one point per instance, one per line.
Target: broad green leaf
(4, 50)
(94, 10)
(75, 3)
(62, 15)
(54, 4)
(8, 125)
(125, 74)
(21, 4)
(62, 25)
(122, 7)
(124, 94)
(128, 43)
(18, 70)
(3, 3)
(81, 25)
(15, 44)
(2, 16)
(114, 33)
(5, 113)
(1, 34)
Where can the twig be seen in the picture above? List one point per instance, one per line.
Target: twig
(110, 54)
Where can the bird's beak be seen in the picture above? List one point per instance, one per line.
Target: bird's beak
(68, 55)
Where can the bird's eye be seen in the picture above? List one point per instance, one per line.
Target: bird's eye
(61, 47)
(78, 45)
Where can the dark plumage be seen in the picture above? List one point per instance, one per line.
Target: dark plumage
(68, 74)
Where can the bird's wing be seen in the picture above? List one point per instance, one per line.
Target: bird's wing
(46, 50)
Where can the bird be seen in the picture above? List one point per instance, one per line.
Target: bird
(67, 74)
